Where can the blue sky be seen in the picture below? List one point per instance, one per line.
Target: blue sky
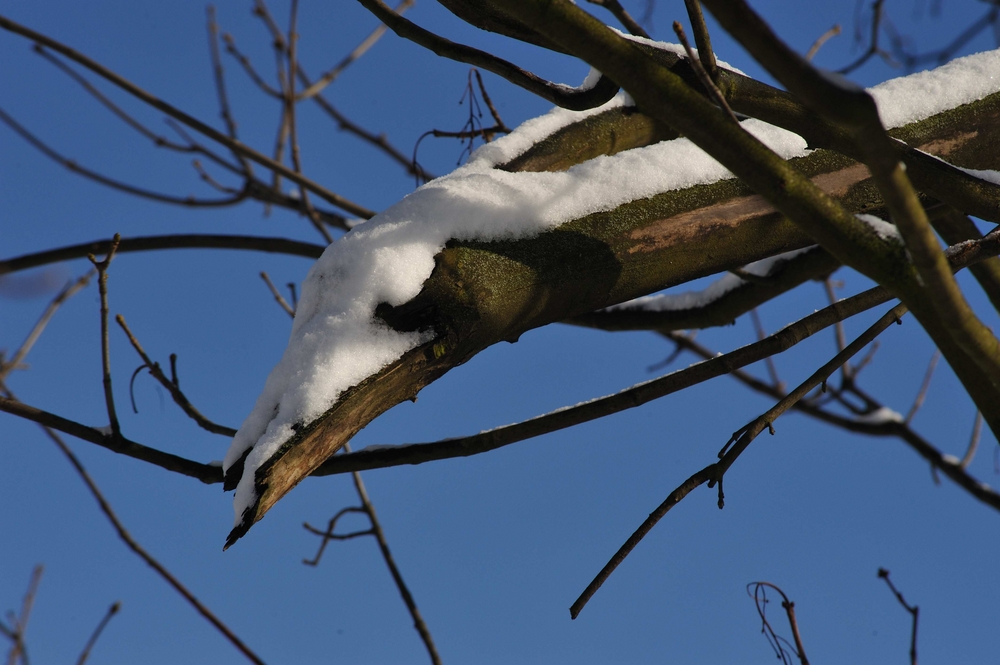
(496, 547)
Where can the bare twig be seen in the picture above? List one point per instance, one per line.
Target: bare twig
(207, 473)
(838, 328)
(330, 75)
(873, 47)
(175, 392)
(343, 122)
(777, 642)
(68, 292)
(330, 532)
(922, 393)
(575, 99)
(102, 284)
(277, 295)
(151, 243)
(703, 76)
(822, 39)
(184, 118)
(376, 530)
(772, 370)
(19, 624)
(397, 577)
(220, 86)
(675, 497)
(713, 474)
(914, 611)
(623, 16)
(701, 38)
(133, 545)
(71, 165)
(113, 610)
(970, 452)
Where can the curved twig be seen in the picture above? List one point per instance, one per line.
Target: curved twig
(574, 99)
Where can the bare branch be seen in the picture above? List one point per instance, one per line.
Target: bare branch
(622, 15)
(822, 39)
(970, 452)
(207, 473)
(102, 284)
(112, 611)
(175, 392)
(922, 393)
(277, 295)
(701, 39)
(90, 174)
(330, 75)
(560, 95)
(68, 292)
(186, 119)
(913, 610)
(152, 243)
(133, 545)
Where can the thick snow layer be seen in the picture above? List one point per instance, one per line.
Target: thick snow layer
(336, 341)
(921, 95)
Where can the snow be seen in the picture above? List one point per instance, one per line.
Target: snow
(669, 302)
(951, 459)
(336, 341)
(882, 228)
(921, 95)
(987, 175)
(880, 416)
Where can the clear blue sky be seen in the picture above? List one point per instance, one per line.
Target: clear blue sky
(496, 547)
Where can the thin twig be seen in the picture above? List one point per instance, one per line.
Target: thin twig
(623, 16)
(922, 393)
(220, 86)
(277, 295)
(713, 474)
(777, 642)
(701, 39)
(675, 497)
(330, 75)
(914, 611)
(703, 76)
(397, 577)
(175, 392)
(329, 534)
(970, 452)
(574, 99)
(186, 119)
(368, 508)
(838, 328)
(73, 166)
(873, 47)
(113, 610)
(20, 623)
(822, 39)
(102, 285)
(133, 545)
(772, 370)
(68, 292)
